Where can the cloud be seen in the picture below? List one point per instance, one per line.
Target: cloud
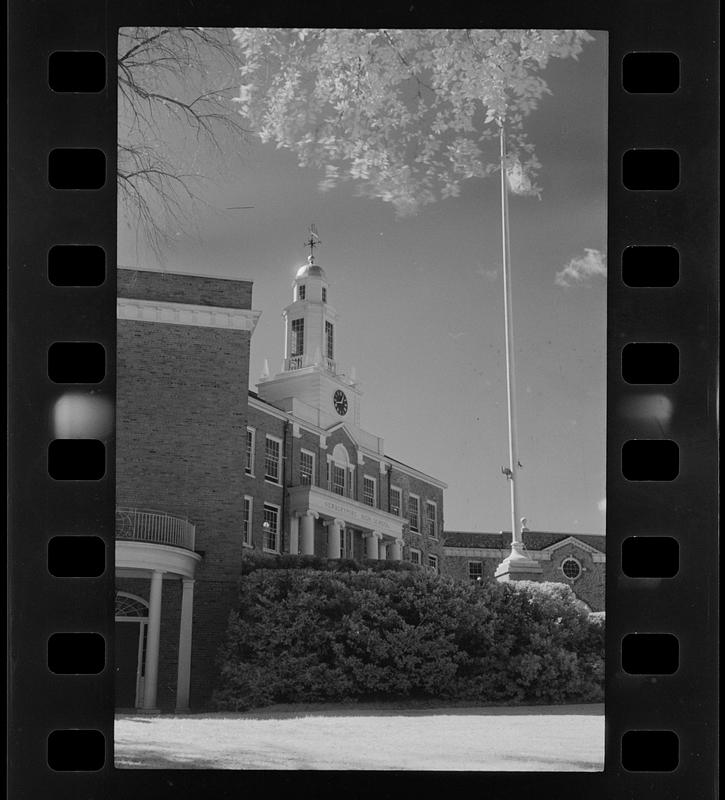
(602, 505)
(583, 269)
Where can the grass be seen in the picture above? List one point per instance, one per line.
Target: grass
(368, 737)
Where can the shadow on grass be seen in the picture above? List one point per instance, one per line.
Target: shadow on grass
(292, 710)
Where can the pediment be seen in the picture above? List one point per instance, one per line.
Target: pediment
(342, 426)
(571, 540)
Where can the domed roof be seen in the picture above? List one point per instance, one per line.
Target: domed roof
(310, 270)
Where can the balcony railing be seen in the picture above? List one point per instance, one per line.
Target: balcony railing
(299, 362)
(154, 527)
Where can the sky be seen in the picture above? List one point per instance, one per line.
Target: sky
(420, 303)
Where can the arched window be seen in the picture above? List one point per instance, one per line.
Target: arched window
(339, 471)
(130, 605)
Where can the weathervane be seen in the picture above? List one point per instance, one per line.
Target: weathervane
(313, 242)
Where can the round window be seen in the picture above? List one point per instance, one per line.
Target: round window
(571, 568)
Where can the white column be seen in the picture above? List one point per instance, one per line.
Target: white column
(308, 533)
(184, 672)
(383, 551)
(397, 548)
(294, 534)
(372, 544)
(153, 635)
(333, 537)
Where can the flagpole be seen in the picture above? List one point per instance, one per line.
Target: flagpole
(517, 545)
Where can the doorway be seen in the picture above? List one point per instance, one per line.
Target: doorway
(131, 622)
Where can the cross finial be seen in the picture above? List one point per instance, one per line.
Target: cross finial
(313, 242)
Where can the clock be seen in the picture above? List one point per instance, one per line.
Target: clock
(340, 402)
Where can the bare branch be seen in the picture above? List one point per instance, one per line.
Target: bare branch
(173, 83)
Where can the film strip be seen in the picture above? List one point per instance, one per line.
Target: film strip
(662, 428)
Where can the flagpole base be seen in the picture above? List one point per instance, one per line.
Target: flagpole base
(518, 567)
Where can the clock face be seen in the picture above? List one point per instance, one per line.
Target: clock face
(340, 402)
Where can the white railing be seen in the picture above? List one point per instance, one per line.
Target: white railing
(298, 362)
(155, 527)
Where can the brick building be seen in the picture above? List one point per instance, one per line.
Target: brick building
(578, 560)
(207, 470)
(317, 482)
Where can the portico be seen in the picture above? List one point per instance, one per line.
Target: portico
(159, 547)
(382, 532)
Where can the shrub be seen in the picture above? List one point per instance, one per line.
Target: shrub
(251, 562)
(305, 635)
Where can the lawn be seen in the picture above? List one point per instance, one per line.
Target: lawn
(368, 737)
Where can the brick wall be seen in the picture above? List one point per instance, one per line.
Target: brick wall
(180, 444)
(255, 485)
(589, 587)
(420, 540)
(174, 287)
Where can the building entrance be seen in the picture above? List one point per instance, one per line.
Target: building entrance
(130, 644)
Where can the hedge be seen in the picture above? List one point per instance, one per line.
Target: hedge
(251, 562)
(311, 635)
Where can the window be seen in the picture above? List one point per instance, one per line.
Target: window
(247, 524)
(271, 527)
(571, 568)
(433, 563)
(298, 337)
(329, 338)
(338, 480)
(415, 556)
(301, 291)
(272, 459)
(395, 501)
(414, 512)
(431, 519)
(324, 294)
(368, 491)
(249, 465)
(307, 468)
(475, 571)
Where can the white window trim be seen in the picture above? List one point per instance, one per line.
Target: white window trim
(252, 451)
(293, 341)
(329, 339)
(437, 562)
(419, 562)
(267, 479)
(279, 532)
(375, 490)
(313, 481)
(400, 504)
(412, 496)
(250, 523)
(579, 564)
(345, 478)
(433, 503)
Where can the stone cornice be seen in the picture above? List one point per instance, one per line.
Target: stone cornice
(238, 319)
(352, 512)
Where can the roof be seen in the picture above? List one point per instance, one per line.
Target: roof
(310, 271)
(533, 540)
